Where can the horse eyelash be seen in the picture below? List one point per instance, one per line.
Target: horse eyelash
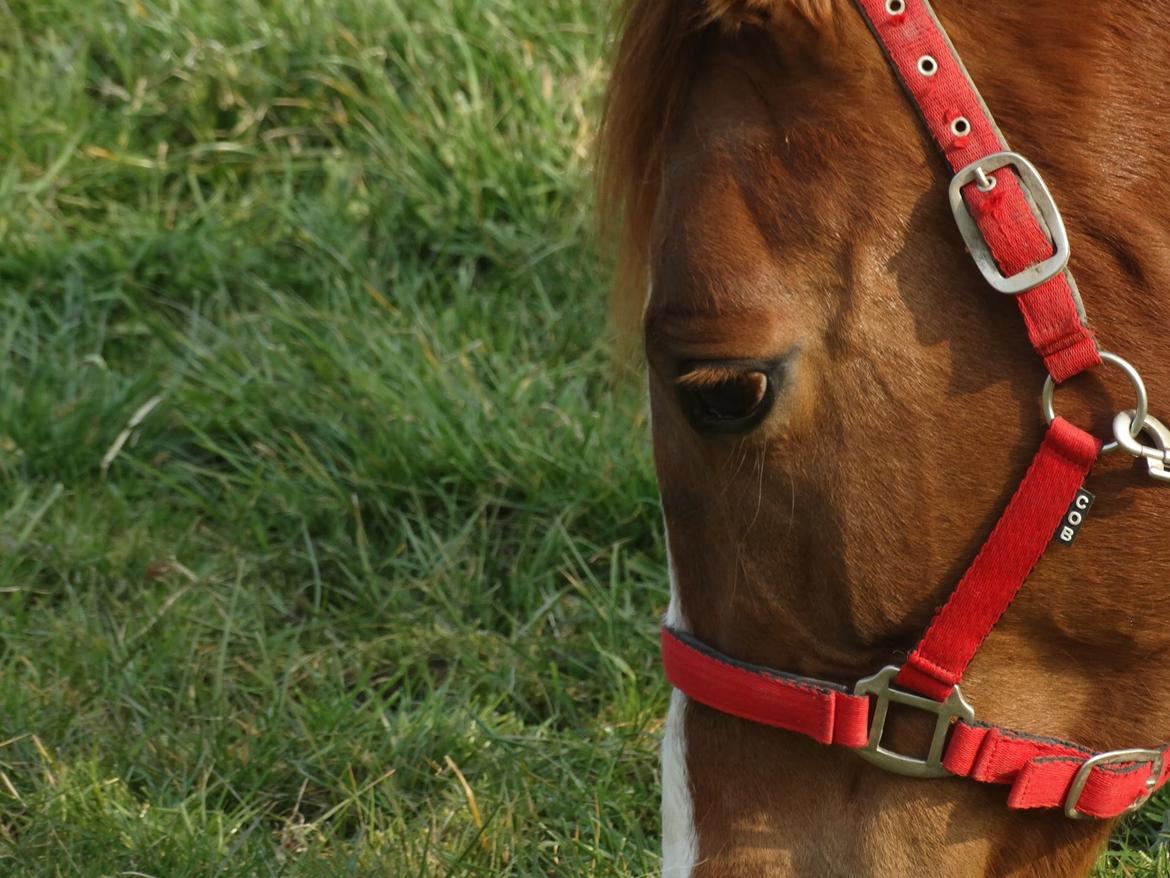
(702, 377)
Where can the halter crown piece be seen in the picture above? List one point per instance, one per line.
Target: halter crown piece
(1015, 234)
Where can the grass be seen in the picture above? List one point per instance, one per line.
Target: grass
(330, 546)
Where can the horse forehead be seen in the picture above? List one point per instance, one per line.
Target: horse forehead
(710, 252)
(756, 199)
(738, 231)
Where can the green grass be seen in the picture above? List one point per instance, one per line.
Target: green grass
(330, 546)
(386, 528)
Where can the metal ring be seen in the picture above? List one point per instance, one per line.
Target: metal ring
(895, 7)
(1141, 410)
(960, 127)
(927, 66)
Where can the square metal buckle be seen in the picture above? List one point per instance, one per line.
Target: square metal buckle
(1040, 198)
(1113, 757)
(954, 708)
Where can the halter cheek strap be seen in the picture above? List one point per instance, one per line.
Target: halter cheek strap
(994, 191)
(1025, 530)
(1015, 234)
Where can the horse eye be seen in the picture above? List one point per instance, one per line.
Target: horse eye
(726, 397)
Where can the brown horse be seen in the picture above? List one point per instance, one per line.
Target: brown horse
(842, 406)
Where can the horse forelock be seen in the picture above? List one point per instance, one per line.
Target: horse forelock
(735, 13)
(659, 50)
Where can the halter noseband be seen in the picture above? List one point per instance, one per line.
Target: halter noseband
(1013, 229)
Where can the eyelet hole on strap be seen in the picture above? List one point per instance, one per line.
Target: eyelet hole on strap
(961, 127)
(895, 7)
(927, 66)
(983, 182)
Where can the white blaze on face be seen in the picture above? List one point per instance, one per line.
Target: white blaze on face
(680, 844)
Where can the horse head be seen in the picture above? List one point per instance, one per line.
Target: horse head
(842, 406)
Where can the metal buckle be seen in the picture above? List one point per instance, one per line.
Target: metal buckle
(947, 712)
(977, 172)
(1113, 757)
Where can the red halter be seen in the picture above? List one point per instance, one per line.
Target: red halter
(1014, 232)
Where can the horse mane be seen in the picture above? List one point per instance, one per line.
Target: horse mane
(658, 52)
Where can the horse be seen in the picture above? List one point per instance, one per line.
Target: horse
(843, 402)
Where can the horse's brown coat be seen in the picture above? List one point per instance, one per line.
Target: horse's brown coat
(775, 186)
